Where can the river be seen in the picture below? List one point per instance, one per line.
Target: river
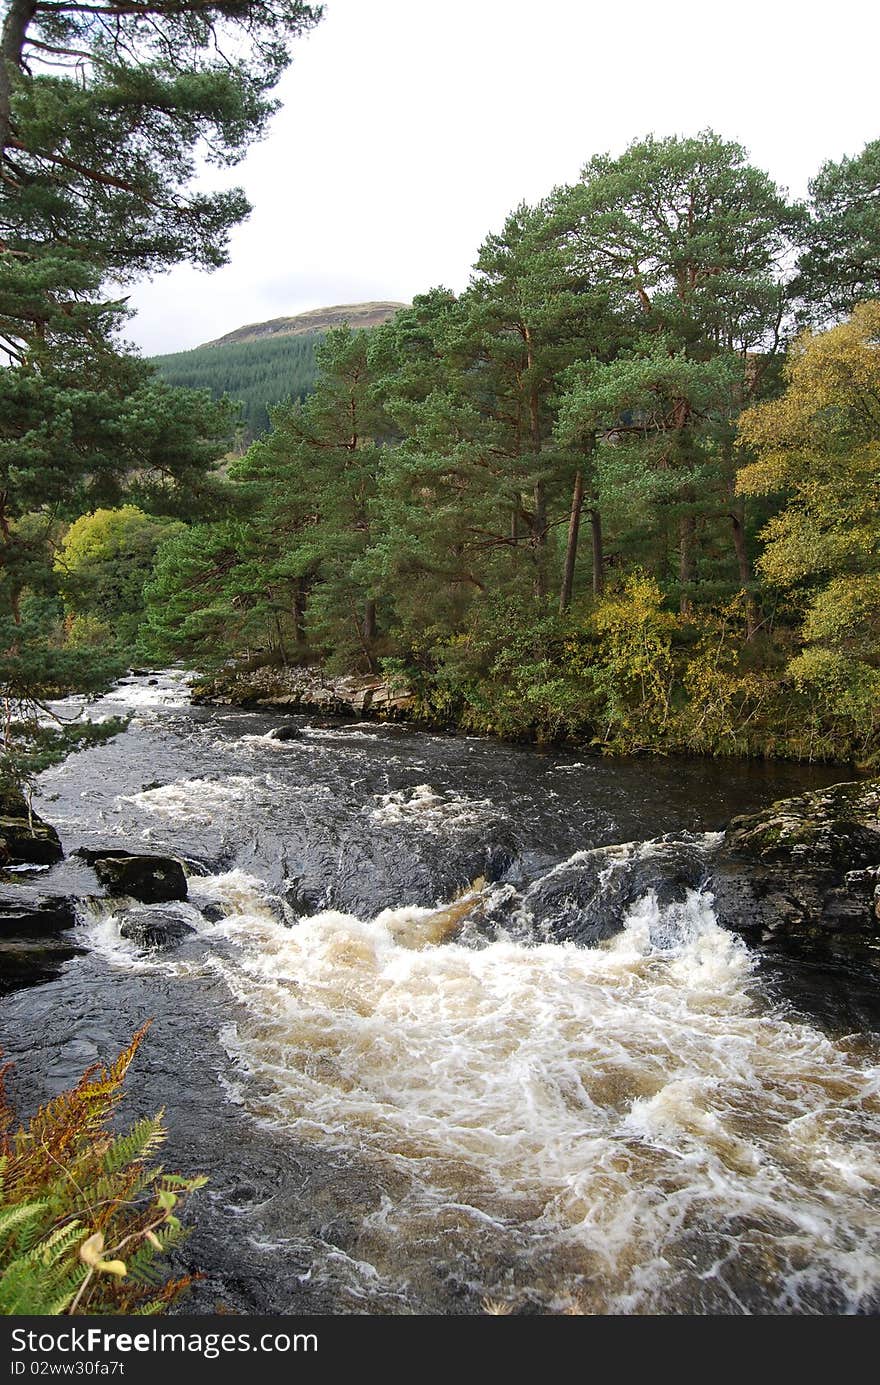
(413, 1087)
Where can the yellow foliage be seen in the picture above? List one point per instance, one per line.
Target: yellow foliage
(831, 406)
(821, 443)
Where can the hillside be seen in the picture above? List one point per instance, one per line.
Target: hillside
(316, 321)
(263, 363)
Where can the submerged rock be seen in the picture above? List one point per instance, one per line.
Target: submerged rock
(154, 928)
(35, 938)
(30, 961)
(805, 866)
(24, 836)
(148, 878)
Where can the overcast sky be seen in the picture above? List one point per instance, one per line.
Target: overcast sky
(410, 128)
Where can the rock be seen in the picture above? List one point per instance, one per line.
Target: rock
(214, 913)
(34, 935)
(500, 859)
(25, 837)
(150, 879)
(305, 897)
(154, 928)
(28, 913)
(586, 899)
(308, 689)
(286, 733)
(28, 961)
(805, 866)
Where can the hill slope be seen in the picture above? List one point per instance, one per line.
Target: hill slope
(317, 320)
(264, 363)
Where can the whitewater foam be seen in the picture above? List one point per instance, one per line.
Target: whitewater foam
(603, 1106)
(429, 809)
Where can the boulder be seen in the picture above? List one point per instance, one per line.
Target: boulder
(587, 898)
(286, 733)
(24, 837)
(29, 913)
(214, 913)
(306, 897)
(29, 961)
(805, 866)
(148, 878)
(154, 928)
(308, 689)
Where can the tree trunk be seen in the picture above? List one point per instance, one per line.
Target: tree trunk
(15, 27)
(539, 522)
(574, 524)
(299, 610)
(369, 621)
(598, 556)
(686, 569)
(745, 571)
(539, 536)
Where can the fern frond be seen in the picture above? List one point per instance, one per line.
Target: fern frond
(13, 1218)
(139, 1143)
(65, 1177)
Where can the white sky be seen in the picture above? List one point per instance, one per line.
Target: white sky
(410, 128)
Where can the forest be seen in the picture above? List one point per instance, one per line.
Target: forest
(622, 488)
(254, 374)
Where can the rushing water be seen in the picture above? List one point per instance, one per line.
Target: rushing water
(387, 954)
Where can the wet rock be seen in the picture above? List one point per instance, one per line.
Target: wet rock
(305, 897)
(286, 733)
(30, 961)
(148, 878)
(29, 913)
(214, 913)
(25, 837)
(154, 928)
(587, 898)
(805, 866)
(500, 859)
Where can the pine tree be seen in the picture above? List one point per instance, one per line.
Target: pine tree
(689, 239)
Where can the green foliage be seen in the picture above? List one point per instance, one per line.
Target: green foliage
(199, 601)
(840, 263)
(106, 114)
(102, 564)
(85, 1213)
(818, 445)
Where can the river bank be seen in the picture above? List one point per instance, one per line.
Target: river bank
(371, 697)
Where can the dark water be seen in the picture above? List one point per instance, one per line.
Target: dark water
(405, 1108)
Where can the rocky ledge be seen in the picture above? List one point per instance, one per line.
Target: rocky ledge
(24, 836)
(308, 689)
(804, 867)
